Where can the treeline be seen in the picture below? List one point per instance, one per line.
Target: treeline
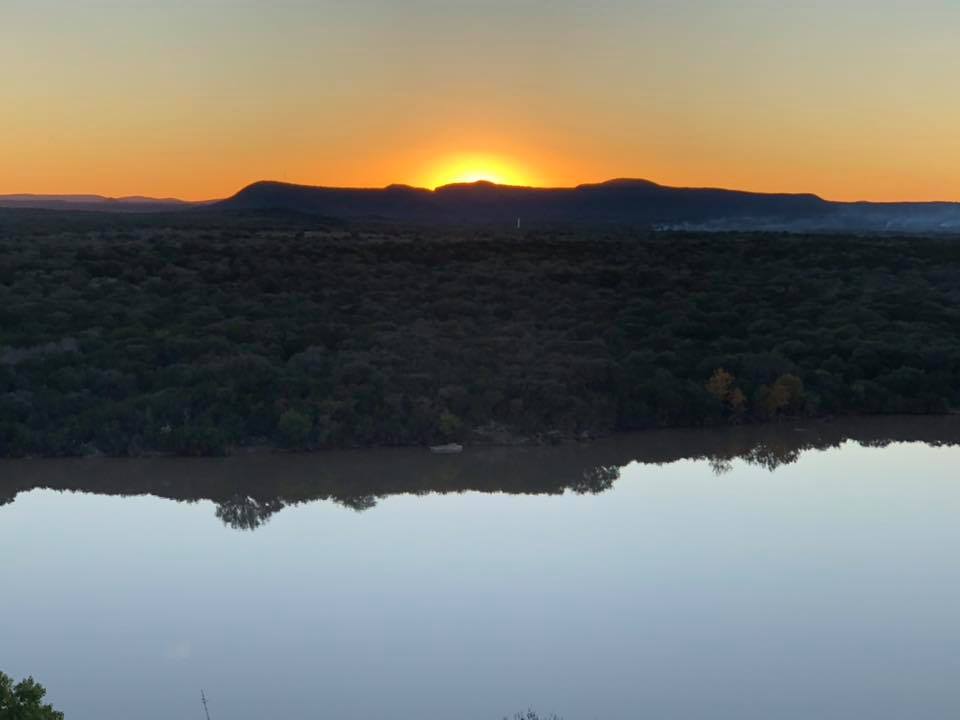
(196, 340)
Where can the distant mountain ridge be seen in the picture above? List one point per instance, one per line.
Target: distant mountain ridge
(102, 203)
(632, 202)
(623, 201)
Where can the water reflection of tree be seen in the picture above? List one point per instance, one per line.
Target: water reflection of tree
(360, 503)
(245, 512)
(771, 455)
(242, 512)
(596, 480)
(720, 465)
(250, 491)
(767, 454)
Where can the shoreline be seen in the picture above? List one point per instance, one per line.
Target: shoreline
(547, 440)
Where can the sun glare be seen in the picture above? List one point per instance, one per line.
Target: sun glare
(476, 168)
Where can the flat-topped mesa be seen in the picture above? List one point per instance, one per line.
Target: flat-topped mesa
(623, 201)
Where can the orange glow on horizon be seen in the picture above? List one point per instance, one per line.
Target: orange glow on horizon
(475, 167)
(168, 100)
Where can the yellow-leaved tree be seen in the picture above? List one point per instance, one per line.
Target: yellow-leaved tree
(721, 386)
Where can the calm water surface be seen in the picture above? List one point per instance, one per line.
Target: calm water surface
(750, 574)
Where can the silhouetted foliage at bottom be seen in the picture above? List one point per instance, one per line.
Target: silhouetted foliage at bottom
(136, 336)
(24, 701)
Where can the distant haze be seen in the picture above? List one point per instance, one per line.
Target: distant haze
(850, 99)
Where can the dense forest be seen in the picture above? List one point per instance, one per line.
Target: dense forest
(200, 335)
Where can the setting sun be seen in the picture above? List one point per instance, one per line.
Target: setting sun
(475, 168)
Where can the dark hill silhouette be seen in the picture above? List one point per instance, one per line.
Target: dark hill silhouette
(618, 201)
(623, 201)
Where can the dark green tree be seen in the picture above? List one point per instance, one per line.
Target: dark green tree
(24, 701)
(294, 428)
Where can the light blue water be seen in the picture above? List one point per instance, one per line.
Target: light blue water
(828, 589)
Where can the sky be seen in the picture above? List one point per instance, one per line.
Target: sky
(851, 99)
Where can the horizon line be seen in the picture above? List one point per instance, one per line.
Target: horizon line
(82, 197)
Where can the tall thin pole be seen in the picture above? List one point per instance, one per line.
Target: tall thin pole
(203, 699)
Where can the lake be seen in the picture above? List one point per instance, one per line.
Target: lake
(790, 571)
